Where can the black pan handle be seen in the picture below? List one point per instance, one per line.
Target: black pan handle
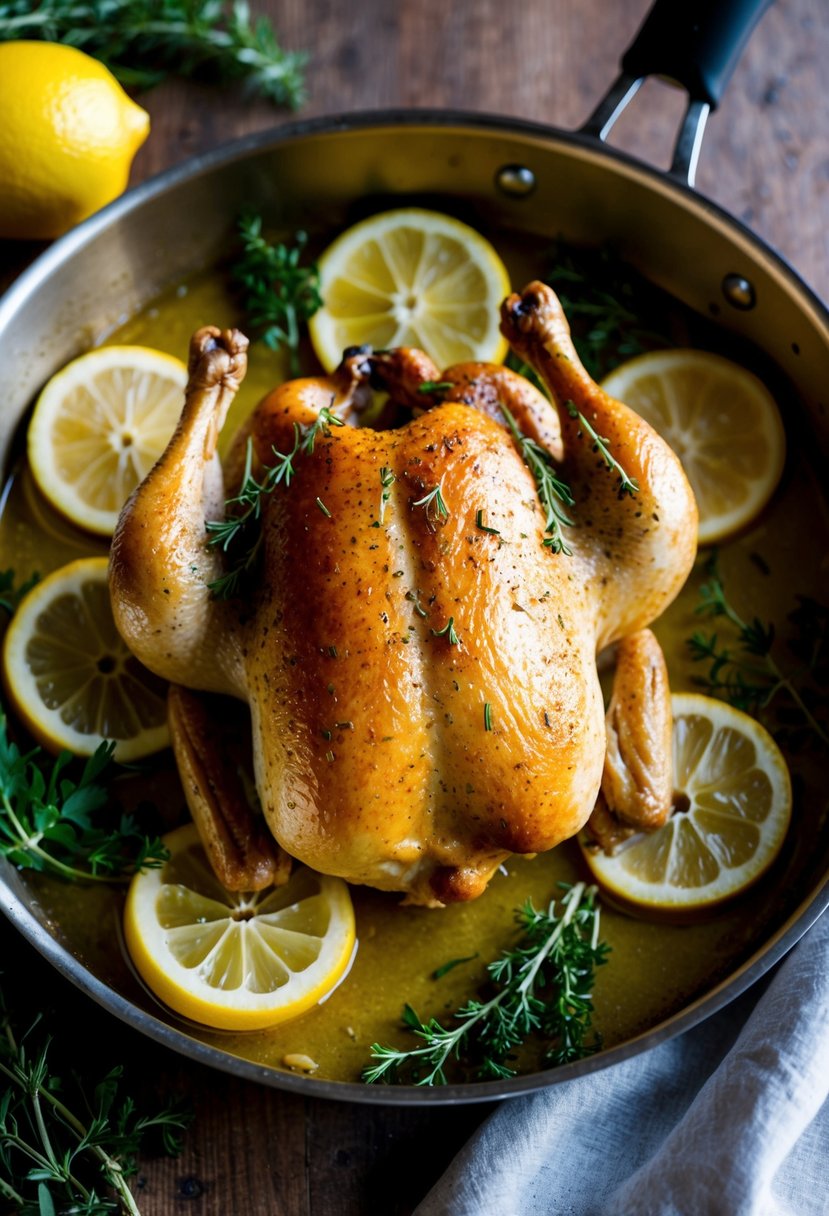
(696, 44)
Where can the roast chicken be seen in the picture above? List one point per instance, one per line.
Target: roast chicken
(419, 665)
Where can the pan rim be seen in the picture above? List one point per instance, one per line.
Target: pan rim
(728, 989)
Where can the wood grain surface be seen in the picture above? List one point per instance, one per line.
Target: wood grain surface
(254, 1151)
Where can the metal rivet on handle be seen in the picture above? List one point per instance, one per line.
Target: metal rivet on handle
(739, 292)
(515, 180)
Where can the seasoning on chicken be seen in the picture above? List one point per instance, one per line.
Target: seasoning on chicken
(420, 668)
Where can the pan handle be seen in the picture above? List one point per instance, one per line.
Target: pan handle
(694, 43)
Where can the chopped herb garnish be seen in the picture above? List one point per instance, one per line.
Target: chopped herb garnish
(627, 485)
(48, 820)
(553, 493)
(387, 480)
(487, 716)
(278, 294)
(433, 503)
(448, 631)
(481, 526)
(323, 508)
(543, 986)
(418, 607)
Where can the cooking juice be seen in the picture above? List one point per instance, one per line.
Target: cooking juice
(654, 969)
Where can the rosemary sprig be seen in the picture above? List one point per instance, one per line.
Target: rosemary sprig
(544, 988)
(63, 1149)
(47, 824)
(244, 509)
(627, 485)
(435, 386)
(278, 294)
(750, 677)
(448, 632)
(481, 526)
(487, 716)
(144, 41)
(553, 493)
(433, 504)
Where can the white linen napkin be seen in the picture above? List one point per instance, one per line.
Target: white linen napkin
(720, 1121)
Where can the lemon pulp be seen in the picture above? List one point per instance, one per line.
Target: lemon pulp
(411, 277)
(236, 961)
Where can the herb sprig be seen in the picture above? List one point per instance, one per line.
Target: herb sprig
(47, 819)
(750, 677)
(553, 493)
(627, 485)
(544, 988)
(278, 294)
(143, 42)
(434, 504)
(63, 1148)
(244, 509)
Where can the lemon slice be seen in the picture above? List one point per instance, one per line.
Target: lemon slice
(232, 960)
(734, 800)
(98, 428)
(69, 674)
(411, 278)
(722, 423)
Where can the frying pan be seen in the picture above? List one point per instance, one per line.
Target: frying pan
(507, 174)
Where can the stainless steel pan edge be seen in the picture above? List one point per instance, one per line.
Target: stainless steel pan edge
(125, 254)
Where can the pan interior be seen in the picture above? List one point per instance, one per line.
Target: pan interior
(153, 247)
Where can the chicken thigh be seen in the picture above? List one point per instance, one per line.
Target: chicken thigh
(419, 664)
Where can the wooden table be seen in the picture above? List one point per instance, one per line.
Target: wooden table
(254, 1151)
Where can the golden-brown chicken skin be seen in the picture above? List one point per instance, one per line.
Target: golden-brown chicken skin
(420, 668)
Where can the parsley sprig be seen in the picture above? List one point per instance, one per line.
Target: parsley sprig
(62, 1148)
(47, 819)
(553, 493)
(544, 988)
(278, 293)
(243, 511)
(743, 670)
(143, 42)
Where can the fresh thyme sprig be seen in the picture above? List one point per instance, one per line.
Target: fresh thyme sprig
(606, 302)
(627, 485)
(278, 294)
(47, 824)
(244, 509)
(544, 988)
(434, 504)
(553, 493)
(63, 1149)
(10, 596)
(144, 41)
(750, 677)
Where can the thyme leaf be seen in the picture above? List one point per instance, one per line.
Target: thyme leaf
(544, 984)
(143, 42)
(553, 493)
(48, 822)
(278, 294)
(448, 632)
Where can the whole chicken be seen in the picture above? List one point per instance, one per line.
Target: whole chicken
(416, 629)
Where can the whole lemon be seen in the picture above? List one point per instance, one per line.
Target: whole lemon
(68, 133)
